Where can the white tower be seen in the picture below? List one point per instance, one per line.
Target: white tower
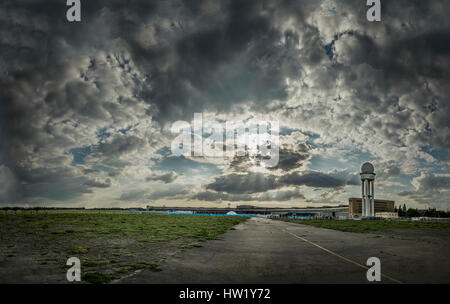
(368, 199)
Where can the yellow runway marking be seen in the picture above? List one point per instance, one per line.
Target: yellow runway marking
(342, 257)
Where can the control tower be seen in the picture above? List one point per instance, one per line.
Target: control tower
(368, 199)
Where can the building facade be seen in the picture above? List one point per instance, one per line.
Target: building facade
(355, 206)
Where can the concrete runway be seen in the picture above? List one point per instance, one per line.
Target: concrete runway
(268, 251)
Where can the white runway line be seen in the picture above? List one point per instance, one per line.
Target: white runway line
(341, 257)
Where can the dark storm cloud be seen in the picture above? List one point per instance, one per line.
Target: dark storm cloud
(291, 156)
(411, 61)
(288, 160)
(50, 101)
(37, 134)
(60, 190)
(119, 145)
(213, 58)
(292, 159)
(59, 183)
(281, 195)
(317, 179)
(243, 183)
(259, 182)
(146, 195)
(62, 85)
(42, 23)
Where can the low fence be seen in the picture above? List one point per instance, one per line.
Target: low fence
(430, 219)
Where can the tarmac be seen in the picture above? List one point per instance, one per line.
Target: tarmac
(260, 251)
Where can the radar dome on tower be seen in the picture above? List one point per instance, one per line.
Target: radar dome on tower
(367, 168)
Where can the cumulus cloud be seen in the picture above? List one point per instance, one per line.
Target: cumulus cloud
(98, 184)
(89, 105)
(430, 189)
(165, 178)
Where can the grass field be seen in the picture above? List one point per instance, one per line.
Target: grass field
(370, 226)
(109, 244)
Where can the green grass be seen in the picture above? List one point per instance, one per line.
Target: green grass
(369, 226)
(96, 278)
(122, 270)
(92, 263)
(138, 266)
(77, 249)
(155, 267)
(146, 228)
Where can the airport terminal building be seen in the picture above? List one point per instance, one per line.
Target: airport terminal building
(381, 206)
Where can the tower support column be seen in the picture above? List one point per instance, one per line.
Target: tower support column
(372, 198)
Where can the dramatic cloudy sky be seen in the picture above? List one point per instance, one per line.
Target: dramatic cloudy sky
(86, 108)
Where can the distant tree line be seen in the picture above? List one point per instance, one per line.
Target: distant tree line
(37, 209)
(41, 208)
(411, 212)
